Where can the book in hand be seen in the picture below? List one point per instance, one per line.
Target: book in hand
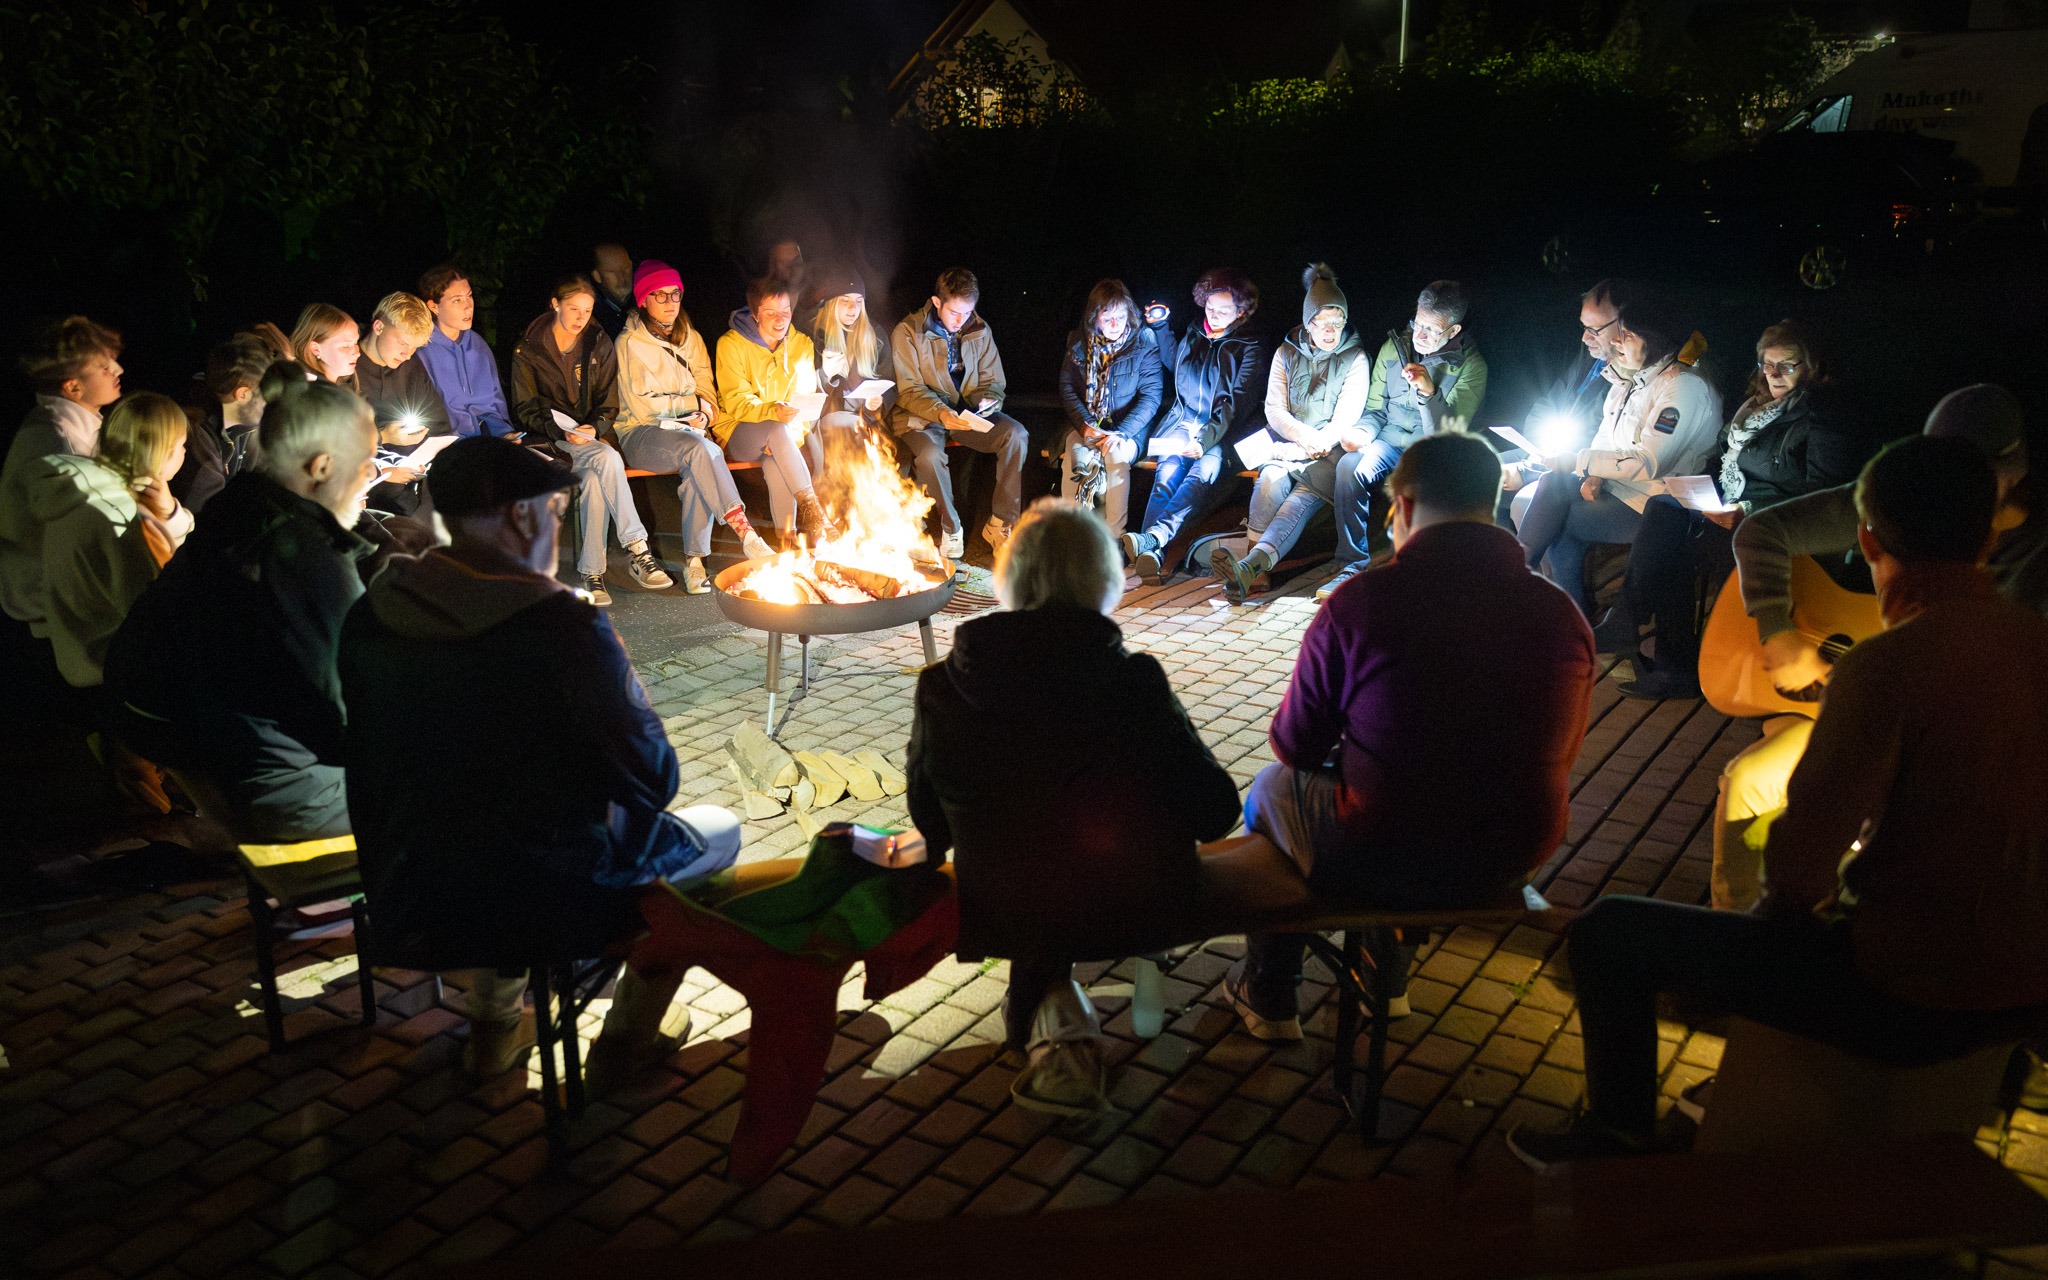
(1697, 493)
(889, 847)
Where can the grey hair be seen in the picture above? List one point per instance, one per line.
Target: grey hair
(304, 417)
(1445, 298)
(1060, 554)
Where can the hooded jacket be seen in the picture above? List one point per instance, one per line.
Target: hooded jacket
(405, 390)
(1215, 383)
(1312, 395)
(752, 379)
(1082, 843)
(1661, 421)
(583, 384)
(465, 373)
(227, 658)
(662, 379)
(1397, 411)
(1136, 381)
(921, 352)
(470, 859)
(97, 557)
(54, 426)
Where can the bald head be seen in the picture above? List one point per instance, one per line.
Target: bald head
(612, 268)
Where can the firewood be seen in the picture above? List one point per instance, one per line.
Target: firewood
(762, 763)
(879, 585)
(860, 780)
(760, 807)
(889, 775)
(828, 782)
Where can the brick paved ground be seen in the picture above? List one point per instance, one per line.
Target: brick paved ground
(145, 1130)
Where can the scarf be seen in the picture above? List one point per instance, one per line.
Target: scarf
(1740, 433)
(1101, 353)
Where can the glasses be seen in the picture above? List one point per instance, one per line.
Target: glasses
(1431, 331)
(1592, 332)
(1778, 368)
(666, 295)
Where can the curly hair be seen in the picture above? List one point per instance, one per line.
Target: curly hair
(1231, 281)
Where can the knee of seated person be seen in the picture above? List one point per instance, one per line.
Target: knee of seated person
(1271, 787)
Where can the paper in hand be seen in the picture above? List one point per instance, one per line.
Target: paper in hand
(426, 451)
(808, 404)
(1520, 441)
(1257, 449)
(975, 422)
(677, 424)
(869, 390)
(565, 422)
(1697, 493)
(1169, 445)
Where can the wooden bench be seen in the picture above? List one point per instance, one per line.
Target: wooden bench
(1655, 1216)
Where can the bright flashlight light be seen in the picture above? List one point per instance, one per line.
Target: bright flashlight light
(1558, 433)
(411, 422)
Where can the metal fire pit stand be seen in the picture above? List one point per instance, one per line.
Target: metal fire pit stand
(806, 620)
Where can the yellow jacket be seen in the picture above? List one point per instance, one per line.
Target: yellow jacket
(751, 378)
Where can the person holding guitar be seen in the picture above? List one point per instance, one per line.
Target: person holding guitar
(1769, 547)
(1909, 870)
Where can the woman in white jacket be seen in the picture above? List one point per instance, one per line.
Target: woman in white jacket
(666, 404)
(1661, 418)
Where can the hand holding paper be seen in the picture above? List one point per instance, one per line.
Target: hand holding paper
(809, 405)
(1697, 493)
(1258, 449)
(973, 422)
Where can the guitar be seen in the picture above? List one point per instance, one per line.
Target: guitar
(1732, 674)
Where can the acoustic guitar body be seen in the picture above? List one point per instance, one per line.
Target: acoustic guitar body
(1732, 674)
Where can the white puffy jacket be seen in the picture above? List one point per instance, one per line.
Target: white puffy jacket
(1663, 421)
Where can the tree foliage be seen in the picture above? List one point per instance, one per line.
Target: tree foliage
(176, 111)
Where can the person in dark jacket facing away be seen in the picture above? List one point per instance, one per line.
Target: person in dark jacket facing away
(470, 865)
(563, 364)
(1434, 799)
(1216, 402)
(1427, 378)
(1081, 846)
(1784, 441)
(225, 664)
(1110, 386)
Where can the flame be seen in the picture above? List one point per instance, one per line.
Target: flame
(876, 522)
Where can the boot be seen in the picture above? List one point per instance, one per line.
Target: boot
(1238, 575)
(496, 1047)
(810, 518)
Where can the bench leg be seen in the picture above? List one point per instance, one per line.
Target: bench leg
(263, 925)
(1385, 954)
(1346, 964)
(572, 1039)
(544, 1033)
(366, 981)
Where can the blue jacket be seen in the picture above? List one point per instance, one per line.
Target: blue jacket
(1136, 382)
(466, 374)
(1219, 384)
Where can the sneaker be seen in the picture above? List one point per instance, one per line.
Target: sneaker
(593, 586)
(1134, 545)
(995, 533)
(612, 1062)
(1237, 576)
(1582, 1139)
(696, 581)
(1346, 574)
(953, 545)
(1656, 686)
(755, 547)
(1261, 1026)
(496, 1047)
(1063, 1078)
(647, 571)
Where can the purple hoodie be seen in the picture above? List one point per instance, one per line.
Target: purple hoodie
(466, 374)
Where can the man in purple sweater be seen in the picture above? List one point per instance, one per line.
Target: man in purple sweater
(1426, 742)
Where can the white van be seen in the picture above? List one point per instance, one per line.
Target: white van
(1986, 91)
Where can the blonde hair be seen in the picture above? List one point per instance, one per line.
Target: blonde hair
(304, 416)
(317, 323)
(405, 313)
(1060, 554)
(141, 432)
(858, 343)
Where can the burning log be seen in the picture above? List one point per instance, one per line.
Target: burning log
(878, 585)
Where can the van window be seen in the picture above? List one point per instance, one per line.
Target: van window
(1822, 115)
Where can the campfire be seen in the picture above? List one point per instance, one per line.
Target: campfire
(874, 548)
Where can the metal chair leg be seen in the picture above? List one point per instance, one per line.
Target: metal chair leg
(1385, 952)
(544, 1033)
(366, 981)
(572, 1039)
(263, 925)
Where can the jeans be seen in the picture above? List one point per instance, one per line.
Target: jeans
(1357, 473)
(704, 483)
(601, 498)
(1673, 548)
(1563, 526)
(786, 465)
(1181, 487)
(1116, 459)
(1282, 502)
(1796, 974)
(1007, 439)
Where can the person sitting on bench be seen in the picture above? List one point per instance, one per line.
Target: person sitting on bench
(1434, 799)
(1908, 875)
(469, 863)
(1081, 845)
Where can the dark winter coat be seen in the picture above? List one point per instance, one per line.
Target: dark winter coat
(471, 858)
(1062, 772)
(205, 470)
(583, 384)
(229, 654)
(1805, 448)
(1136, 382)
(1218, 384)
